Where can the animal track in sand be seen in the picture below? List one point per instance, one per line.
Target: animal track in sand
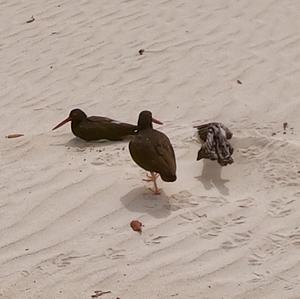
(238, 220)
(192, 217)
(182, 199)
(255, 260)
(57, 263)
(115, 254)
(237, 240)
(246, 202)
(275, 159)
(63, 260)
(155, 240)
(210, 230)
(227, 245)
(295, 237)
(257, 277)
(111, 158)
(280, 207)
(271, 246)
(291, 237)
(185, 199)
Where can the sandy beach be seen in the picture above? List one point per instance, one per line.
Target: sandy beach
(65, 205)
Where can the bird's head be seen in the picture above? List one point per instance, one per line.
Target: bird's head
(76, 115)
(145, 120)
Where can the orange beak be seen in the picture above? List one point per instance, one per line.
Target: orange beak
(62, 123)
(156, 121)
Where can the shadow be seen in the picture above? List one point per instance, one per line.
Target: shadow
(82, 144)
(142, 200)
(211, 177)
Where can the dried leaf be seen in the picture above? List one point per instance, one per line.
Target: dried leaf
(14, 135)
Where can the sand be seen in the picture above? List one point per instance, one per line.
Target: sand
(66, 205)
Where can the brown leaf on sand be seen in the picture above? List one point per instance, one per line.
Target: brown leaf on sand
(136, 226)
(14, 135)
(100, 293)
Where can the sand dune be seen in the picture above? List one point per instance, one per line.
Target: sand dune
(66, 205)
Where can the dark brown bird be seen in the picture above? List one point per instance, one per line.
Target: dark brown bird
(153, 151)
(97, 127)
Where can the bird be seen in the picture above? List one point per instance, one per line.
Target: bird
(152, 150)
(97, 127)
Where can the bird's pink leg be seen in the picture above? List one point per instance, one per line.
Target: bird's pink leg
(152, 178)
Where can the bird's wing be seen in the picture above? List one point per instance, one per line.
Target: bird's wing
(100, 119)
(113, 124)
(165, 152)
(153, 152)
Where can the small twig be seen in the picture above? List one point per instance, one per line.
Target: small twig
(142, 51)
(31, 20)
(100, 293)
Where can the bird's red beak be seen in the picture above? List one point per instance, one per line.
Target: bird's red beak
(156, 121)
(62, 123)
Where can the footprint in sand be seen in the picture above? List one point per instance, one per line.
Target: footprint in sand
(212, 229)
(62, 260)
(257, 277)
(255, 260)
(238, 220)
(237, 240)
(280, 207)
(54, 264)
(156, 240)
(192, 217)
(115, 254)
(182, 199)
(245, 202)
(185, 199)
(271, 246)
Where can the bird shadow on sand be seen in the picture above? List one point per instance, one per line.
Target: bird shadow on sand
(211, 177)
(142, 200)
(82, 144)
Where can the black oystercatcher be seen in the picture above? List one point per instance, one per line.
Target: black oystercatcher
(97, 127)
(153, 151)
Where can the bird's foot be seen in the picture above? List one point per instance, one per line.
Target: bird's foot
(151, 178)
(147, 180)
(155, 191)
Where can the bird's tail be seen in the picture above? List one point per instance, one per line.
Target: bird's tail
(168, 177)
